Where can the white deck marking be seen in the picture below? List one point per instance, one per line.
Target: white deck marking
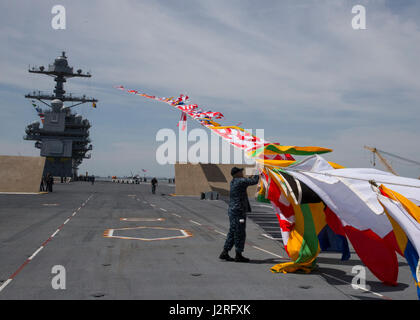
(185, 233)
(109, 234)
(36, 252)
(265, 213)
(270, 237)
(263, 205)
(361, 288)
(266, 251)
(224, 234)
(267, 222)
(56, 231)
(195, 222)
(255, 247)
(4, 285)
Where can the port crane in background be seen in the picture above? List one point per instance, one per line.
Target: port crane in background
(380, 153)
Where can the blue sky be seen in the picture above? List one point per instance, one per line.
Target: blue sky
(295, 68)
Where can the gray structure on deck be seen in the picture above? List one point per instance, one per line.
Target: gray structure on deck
(64, 137)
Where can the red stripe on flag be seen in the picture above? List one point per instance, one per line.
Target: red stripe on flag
(333, 222)
(375, 253)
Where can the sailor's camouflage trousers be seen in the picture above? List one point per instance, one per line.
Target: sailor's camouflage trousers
(237, 232)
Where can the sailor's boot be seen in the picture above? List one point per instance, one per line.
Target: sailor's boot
(240, 258)
(225, 256)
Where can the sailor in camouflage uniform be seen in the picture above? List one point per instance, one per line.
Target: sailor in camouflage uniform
(238, 207)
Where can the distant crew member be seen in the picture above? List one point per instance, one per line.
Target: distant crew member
(93, 180)
(154, 183)
(238, 207)
(42, 187)
(50, 181)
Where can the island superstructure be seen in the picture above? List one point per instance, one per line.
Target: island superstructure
(63, 137)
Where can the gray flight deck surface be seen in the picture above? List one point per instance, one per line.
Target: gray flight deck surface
(98, 267)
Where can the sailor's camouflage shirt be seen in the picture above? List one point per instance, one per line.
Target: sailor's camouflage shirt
(238, 202)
